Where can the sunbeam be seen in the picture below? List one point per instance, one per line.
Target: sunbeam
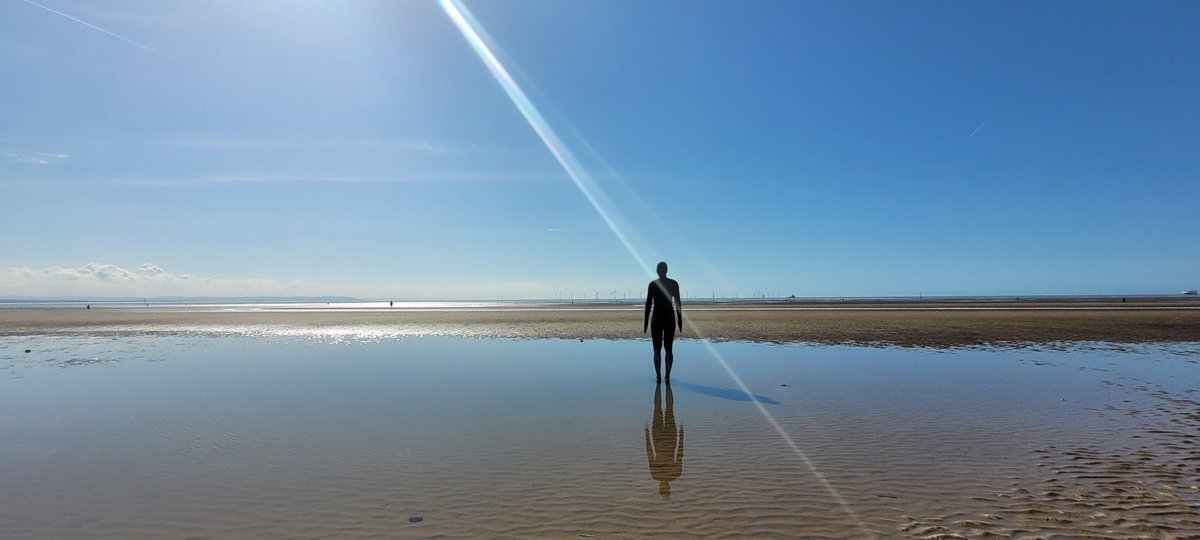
(474, 34)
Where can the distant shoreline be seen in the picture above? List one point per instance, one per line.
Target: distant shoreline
(1007, 323)
(1150, 300)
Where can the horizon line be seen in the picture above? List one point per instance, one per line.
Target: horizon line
(592, 299)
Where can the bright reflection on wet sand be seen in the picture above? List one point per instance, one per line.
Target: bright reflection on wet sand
(241, 436)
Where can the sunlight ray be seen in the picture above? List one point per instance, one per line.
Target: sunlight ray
(474, 35)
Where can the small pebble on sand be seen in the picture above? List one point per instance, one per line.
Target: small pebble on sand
(416, 519)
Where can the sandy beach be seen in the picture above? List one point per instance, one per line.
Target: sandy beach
(830, 419)
(360, 270)
(1009, 323)
(234, 436)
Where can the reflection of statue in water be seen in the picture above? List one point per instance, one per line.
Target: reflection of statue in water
(664, 443)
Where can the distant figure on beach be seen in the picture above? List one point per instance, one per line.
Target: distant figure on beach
(664, 310)
(664, 443)
(392, 303)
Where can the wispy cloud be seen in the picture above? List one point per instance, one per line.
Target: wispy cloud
(234, 143)
(244, 178)
(36, 158)
(101, 30)
(251, 179)
(105, 279)
(111, 279)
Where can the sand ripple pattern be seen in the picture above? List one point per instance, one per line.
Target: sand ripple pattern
(1151, 490)
(344, 445)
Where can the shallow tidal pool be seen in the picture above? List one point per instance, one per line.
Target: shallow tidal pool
(261, 436)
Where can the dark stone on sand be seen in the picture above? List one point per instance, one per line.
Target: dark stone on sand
(416, 519)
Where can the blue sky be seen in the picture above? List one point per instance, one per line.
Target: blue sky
(808, 148)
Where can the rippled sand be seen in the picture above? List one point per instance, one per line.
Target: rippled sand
(253, 437)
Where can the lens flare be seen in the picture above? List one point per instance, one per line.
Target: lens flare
(479, 41)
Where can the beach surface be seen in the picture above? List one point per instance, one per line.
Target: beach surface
(1009, 322)
(830, 419)
(168, 435)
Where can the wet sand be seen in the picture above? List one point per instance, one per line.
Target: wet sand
(230, 436)
(1008, 323)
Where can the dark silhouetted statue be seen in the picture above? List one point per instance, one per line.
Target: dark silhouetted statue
(664, 310)
(664, 443)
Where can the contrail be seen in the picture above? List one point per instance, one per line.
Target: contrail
(98, 29)
(972, 133)
(474, 34)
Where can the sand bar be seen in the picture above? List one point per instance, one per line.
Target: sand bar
(875, 323)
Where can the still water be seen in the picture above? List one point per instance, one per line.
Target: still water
(235, 436)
